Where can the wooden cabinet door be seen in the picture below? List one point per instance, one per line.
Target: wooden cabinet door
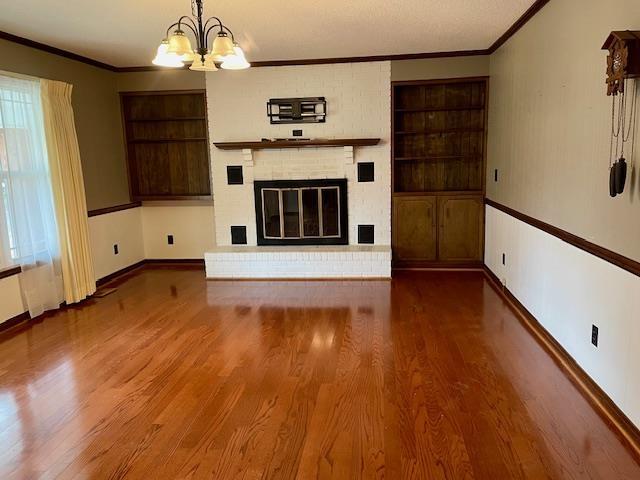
(414, 228)
(460, 238)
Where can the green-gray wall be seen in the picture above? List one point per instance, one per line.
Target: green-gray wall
(439, 68)
(97, 113)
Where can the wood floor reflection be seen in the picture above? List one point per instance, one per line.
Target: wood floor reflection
(426, 376)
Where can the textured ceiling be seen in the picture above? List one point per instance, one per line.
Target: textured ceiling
(126, 32)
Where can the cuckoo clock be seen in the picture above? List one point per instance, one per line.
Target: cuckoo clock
(623, 60)
(623, 64)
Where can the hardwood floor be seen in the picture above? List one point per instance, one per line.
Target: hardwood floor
(176, 377)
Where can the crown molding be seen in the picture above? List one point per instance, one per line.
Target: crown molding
(528, 15)
(324, 61)
(56, 51)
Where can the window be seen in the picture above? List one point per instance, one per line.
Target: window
(27, 224)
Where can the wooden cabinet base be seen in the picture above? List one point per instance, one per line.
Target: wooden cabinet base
(438, 231)
(415, 228)
(461, 231)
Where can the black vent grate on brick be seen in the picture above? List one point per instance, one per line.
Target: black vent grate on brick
(239, 235)
(234, 175)
(365, 172)
(365, 233)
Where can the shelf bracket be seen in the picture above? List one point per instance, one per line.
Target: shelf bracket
(348, 154)
(247, 156)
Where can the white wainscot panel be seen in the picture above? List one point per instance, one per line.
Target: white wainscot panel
(569, 290)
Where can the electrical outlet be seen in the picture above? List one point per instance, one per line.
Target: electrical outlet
(594, 335)
(495, 175)
(504, 259)
(170, 239)
(115, 249)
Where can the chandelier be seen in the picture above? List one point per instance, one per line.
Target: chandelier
(176, 50)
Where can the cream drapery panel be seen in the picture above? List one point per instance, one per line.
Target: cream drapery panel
(68, 191)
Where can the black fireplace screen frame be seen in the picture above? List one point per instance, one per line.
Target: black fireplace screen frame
(341, 183)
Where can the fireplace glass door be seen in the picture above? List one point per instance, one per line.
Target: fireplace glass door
(300, 214)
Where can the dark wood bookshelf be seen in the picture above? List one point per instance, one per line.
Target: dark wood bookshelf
(433, 158)
(167, 140)
(440, 109)
(167, 147)
(167, 119)
(438, 171)
(439, 131)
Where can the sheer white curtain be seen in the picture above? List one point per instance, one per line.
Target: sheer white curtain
(27, 217)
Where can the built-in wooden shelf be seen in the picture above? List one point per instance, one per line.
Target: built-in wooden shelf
(435, 158)
(439, 131)
(439, 109)
(338, 142)
(167, 140)
(166, 119)
(438, 136)
(167, 144)
(438, 192)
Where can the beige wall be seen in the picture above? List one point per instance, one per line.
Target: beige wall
(160, 80)
(11, 304)
(437, 68)
(549, 123)
(190, 223)
(97, 112)
(122, 228)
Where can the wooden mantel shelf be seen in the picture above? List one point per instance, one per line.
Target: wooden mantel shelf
(338, 142)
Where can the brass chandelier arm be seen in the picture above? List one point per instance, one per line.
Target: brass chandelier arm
(220, 25)
(193, 27)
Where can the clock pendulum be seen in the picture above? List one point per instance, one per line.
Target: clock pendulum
(623, 128)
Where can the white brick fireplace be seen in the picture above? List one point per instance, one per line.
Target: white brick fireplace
(358, 106)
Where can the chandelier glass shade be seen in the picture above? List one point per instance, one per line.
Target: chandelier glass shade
(222, 47)
(206, 65)
(165, 59)
(236, 61)
(176, 50)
